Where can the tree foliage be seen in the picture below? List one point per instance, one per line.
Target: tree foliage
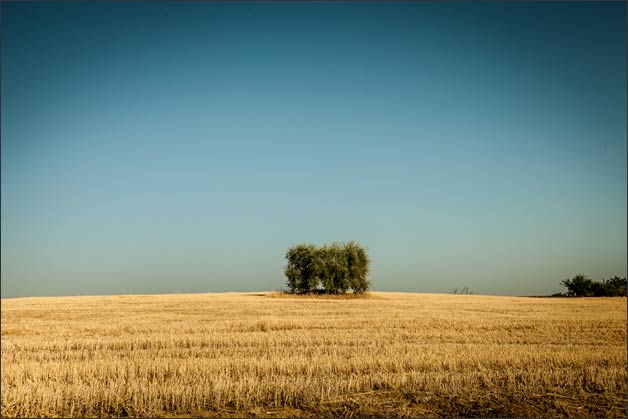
(333, 269)
(582, 286)
(302, 268)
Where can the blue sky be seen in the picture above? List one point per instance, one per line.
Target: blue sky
(162, 147)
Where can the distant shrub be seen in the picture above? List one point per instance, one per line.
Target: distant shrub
(464, 291)
(332, 269)
(582, 286)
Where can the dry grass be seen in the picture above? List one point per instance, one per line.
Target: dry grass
(250, 355)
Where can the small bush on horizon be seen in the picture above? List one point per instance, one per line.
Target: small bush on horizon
(465, 291)
(330, 269)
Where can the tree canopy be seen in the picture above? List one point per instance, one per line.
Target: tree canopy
(582, 286)
(333, 269)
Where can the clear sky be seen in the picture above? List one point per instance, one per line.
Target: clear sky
(162, 147)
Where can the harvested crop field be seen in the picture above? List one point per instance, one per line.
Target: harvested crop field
(252, 354)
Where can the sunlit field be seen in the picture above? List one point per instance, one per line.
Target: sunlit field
(261, 354)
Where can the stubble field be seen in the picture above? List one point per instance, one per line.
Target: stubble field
(259, 354)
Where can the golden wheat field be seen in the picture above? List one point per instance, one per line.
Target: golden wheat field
(265, 354)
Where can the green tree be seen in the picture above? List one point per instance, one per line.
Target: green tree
(617, 286)
(337, 267)
(579, 286)
(337, 279)
(600, 289)
(301, 270)
(357, 266)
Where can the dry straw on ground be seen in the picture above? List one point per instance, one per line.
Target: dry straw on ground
(393, 354)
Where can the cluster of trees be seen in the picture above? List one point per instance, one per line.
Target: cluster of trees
(582, 286)
(332, 269)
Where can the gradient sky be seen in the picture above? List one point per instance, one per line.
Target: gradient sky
(161, 147)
